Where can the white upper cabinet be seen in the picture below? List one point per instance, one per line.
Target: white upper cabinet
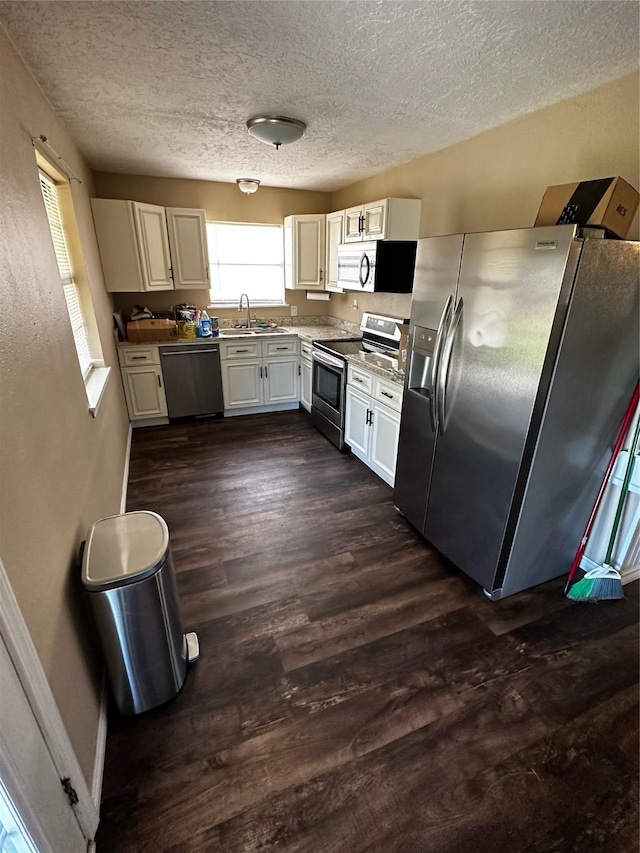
(335, 236)
(143, 247)
(188, 242)
(153, 242)
(389, 219)
(304, 251)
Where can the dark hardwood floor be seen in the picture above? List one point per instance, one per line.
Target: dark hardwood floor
(354, 692)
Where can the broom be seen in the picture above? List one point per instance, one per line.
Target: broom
(605, 583)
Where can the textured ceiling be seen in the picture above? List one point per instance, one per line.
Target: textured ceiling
(165, 88)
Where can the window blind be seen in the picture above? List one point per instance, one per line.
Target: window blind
(69, 286)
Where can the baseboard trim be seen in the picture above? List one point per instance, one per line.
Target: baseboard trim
(101, 745)
(125, 474)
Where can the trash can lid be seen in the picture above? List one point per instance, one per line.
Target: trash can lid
(123, 549)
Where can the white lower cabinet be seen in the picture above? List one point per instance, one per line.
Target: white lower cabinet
(242, 383)
(260, 374)
(281, 380)
(142, 382)
(144, 392)
(372, 427)
(306, 382)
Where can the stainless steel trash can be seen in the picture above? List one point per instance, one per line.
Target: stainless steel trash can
(128, 575)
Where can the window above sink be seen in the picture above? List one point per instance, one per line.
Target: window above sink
(246, 258)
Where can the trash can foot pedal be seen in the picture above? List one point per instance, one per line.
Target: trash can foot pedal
(193, 646)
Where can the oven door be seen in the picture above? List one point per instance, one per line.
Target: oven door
(329, 376)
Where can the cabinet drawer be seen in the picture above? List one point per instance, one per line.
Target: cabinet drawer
(306, 349)
(388, 393)
(240, 349)
(134, 356)
(289, 346)
(360, 379)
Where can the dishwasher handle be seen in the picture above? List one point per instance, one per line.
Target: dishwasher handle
(165, 353)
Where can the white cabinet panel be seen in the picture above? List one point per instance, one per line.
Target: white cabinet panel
(242, 383)
(304, 242)
(335, 235)
(153, 240)
(306, 379)
(353, 224)
(375, 220)
(373, 421)
(138, 355)
(281, 380)
(357, 421)
(188, 243)
(144, 392)
(385, 432)
(388, 219)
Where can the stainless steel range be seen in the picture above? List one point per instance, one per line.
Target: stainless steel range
(380, 336)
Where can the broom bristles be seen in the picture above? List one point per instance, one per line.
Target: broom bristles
(601, 584)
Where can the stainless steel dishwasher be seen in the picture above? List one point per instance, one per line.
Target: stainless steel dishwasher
(192, 379)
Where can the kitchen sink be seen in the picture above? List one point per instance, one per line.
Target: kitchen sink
(240, 333)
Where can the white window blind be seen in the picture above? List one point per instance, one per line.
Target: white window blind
(247, 259)
(70, 289)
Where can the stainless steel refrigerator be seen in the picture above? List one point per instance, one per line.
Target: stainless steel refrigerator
(523, 356)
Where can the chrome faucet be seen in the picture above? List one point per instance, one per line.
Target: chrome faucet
(242, 296)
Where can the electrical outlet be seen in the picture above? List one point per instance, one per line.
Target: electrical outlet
(355, 304)
(294, 310)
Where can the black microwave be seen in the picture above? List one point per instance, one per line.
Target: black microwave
(379, 266)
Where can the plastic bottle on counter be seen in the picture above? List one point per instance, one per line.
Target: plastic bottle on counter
(215, 327)
(204, 325)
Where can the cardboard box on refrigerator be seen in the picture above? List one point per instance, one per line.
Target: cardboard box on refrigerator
(609, 203)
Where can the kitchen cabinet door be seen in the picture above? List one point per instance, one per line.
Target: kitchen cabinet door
(357, 429)
(153, 243)
(242, 383)
(188, 243)
(385, 432)
(306, 379)
(335, 235)
(375, 220)
(281, 380)
(304, 251)
(144, 392)
(352, 224)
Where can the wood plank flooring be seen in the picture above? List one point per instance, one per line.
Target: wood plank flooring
(354, 692)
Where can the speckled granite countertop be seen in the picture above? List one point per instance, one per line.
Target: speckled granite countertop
(305, 333)
(383, 367)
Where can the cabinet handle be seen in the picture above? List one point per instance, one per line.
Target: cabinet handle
(261, 373)
(357, 379)
(366, 423)
(385, 394)
(360, 224)
(285, 348)
(321, 274)
(138, 357)
(266, 372)
(371, 417)
(241, 350)
(170, 270)
(159, 381)
(299, 371)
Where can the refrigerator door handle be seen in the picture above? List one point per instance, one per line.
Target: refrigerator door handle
(435, 362)
(443, 373)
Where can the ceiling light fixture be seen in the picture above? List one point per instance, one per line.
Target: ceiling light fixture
(276, 130)
(248, 185)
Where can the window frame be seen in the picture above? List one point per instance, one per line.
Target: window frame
(62, 225)
(217, 299)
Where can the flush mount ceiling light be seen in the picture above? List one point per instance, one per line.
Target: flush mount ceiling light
(276, 130)
(248, 185)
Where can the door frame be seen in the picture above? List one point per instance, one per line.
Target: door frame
(15, 635)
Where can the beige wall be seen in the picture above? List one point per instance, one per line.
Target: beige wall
(60, 469)
(222, 202)
(496, 180)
